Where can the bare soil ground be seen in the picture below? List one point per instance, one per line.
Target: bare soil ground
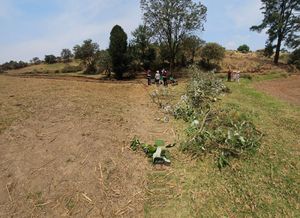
(64, 147)
(286, 89)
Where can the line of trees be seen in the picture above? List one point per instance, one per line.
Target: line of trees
(167, 39)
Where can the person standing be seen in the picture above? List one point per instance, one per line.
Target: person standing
(165, 77)
(237, 76)
(229, 75)
(149, 77)
(157, 78)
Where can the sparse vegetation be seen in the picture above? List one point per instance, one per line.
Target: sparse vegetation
(229, 120)
(71, 69)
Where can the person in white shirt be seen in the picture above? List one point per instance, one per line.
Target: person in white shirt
(157, 77)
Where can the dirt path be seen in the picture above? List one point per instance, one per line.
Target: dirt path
(285, 89)
(67, 151)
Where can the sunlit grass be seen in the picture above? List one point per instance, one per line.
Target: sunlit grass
(263, 185)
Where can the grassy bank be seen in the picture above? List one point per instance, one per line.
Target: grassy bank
(263, 185)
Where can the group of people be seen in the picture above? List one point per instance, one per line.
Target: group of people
(233, 76)
(160, 77)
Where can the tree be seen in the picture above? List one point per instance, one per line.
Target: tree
(190, 45)
(243, 48)
(212, 52)
(66, 55)
(35, 60)
(282, 21)
(105, 62)
(118, 51)
(141, 47)
(50, 59)
(172, 20)
(13, 65)
(88, 53)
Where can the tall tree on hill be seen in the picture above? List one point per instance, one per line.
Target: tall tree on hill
(172, 20)
(88, 53)
(118, 50)
(50, 59)
(282, 21)
(66, 55)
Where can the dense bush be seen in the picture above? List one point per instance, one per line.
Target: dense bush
(269, 50)
(212, 54)
(295, 58)
(244, 48)
(91, 69)
(12, 65)
(50, 59)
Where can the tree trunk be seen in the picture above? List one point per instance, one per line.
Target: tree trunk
(172, 65)
(193, 56)
(278, 47)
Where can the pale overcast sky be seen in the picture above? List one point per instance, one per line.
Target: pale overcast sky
(32, 28)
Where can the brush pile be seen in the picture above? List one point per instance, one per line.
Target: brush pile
(213, 129)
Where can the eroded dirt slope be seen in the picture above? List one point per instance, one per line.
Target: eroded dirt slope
(286, 89)
(67, 151)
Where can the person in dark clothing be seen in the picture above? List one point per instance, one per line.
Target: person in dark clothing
(149, 77)
(229, 76)
(165, 77)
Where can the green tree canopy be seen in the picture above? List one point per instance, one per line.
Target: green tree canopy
(50, 59)
(172, 20)
(118, 51)
(244, 48)
(35, 60)
(66, 55)
(212, 52)
(88, 53)
(141, 46)
(282, 21)
(190, 45)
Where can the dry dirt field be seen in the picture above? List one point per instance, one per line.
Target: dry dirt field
(64, 147)
(285, 89)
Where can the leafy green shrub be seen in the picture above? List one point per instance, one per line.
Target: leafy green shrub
(244, 48)
(91, 69)
(295, 58)
(269, 50)
(71, 69)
